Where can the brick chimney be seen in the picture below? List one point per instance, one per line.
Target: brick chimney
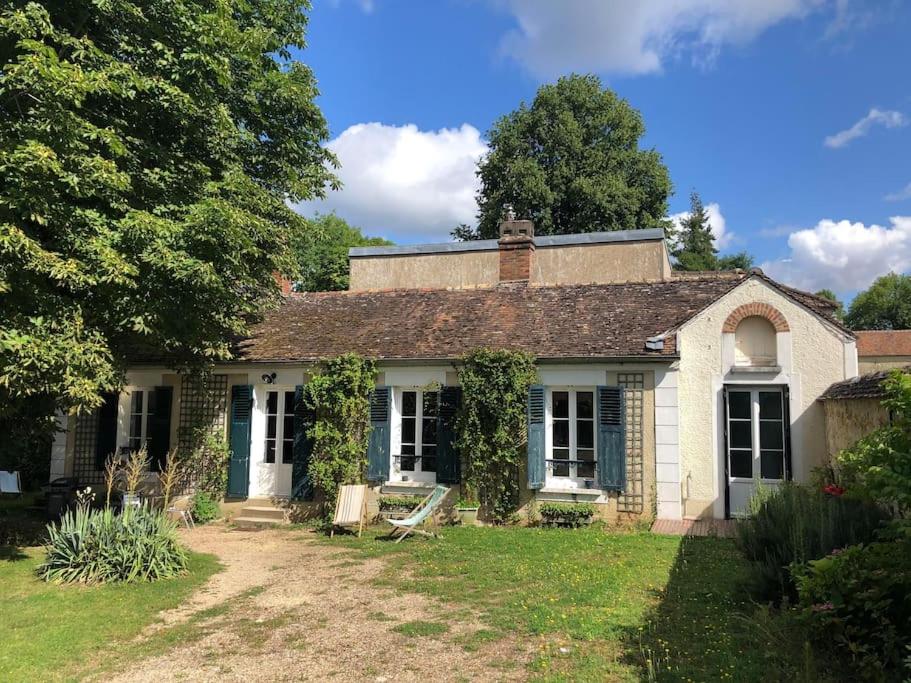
(517, 249)
(283, 283)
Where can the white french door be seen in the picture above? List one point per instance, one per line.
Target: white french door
(756, 442)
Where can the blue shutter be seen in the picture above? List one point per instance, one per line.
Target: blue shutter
(537, 467)
(304, 417)
(159, 427)
(239, 466)
(611, 438)
(448, 465)
(378, 445)
(106, 437)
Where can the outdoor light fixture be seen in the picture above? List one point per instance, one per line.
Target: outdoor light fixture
(269, 378)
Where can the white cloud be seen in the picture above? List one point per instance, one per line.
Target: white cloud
(844, 256)
(405, 183)
(619, 36)
(876, 117)
(717, 223)
(901, 195)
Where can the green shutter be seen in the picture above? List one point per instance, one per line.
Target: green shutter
(448, 466)
(304, 417)
(537, 466)
(159, 426)
(378, 446)
(611, 438)
(239, 438)
(106, 437)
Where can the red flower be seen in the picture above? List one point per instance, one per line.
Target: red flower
(833, 489)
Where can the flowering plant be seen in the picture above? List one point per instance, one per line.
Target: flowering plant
(833, 489)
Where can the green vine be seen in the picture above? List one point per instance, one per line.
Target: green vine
(339, 396)
(491, 426)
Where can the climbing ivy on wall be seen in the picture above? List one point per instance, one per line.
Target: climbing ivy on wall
(339, 396)
(491, 429)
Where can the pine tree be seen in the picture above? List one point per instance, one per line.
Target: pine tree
(695, 245)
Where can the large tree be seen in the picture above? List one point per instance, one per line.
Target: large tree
(148, 153)
(693, 244)
(885, 306)
(571, 162)
(322, 252)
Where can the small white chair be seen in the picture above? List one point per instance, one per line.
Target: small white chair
(10, 483)
(186, 516)
(350, 508)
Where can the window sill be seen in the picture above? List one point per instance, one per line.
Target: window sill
(584, 493)
(415, 487)
(752, 369)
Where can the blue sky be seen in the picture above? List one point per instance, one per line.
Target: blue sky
(792, 118)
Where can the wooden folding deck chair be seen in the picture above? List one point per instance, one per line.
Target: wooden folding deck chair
(350, 508)
(405, 526)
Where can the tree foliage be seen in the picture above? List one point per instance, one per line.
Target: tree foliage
(322, 252)
(839, 311)
(571, 162)
(339, 396)
(491, 428)
(693, 244)
(148, 153)
(886, 305)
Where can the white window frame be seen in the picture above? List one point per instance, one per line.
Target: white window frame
(417, 475)
(755, 446)
(279, 424)
(125, 409)
(573, 481)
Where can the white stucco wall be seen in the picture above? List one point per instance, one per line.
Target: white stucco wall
(811, 356)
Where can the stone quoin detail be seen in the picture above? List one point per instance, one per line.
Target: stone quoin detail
(767, 311)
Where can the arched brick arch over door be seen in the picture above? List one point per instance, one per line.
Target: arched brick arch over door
(767, 311)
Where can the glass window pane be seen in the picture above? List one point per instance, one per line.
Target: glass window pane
(770, 435)
(429, 431)
(136, 427)
(428, 449)
(771, 464)
(289, 403)
(271, 426)
(408, 427)
(270, 451)
(287, 451)
(585, 404)
(429, 465)
(742, 464)
(288, 427)
(150, 402)
(741, 434)
(585, 454)
(408, 449)
(770, 405)
(561, 434)
(560, 470)
(431, 400)
(409, 403)
(136, 402)
(585, 434)
(272, 402)
(407, 465)
(561, 404)
(585, 470)
(739, 404)
(561, 454)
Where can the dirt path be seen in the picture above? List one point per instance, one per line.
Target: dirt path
(287, 607)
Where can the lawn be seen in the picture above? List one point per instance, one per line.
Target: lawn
(603, 606)
(54, 632)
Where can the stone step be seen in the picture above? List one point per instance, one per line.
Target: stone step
(254, 523)
(264, 512)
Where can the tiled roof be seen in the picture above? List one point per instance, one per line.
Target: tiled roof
(865, 386)
(555, 321)
(883, 342)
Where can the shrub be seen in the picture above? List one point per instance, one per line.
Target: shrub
(207, 464)
(99, 546)
(204, 507)
(566, 514)
(398, 503)
(858, 603)
(795, 524)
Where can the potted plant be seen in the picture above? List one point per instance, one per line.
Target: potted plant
(467, 509)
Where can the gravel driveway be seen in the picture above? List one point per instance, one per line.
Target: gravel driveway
(287, 607)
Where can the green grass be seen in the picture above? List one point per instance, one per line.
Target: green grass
(603, 606)
(53, 632)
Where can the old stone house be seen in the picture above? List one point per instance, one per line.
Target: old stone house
(658, 392)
